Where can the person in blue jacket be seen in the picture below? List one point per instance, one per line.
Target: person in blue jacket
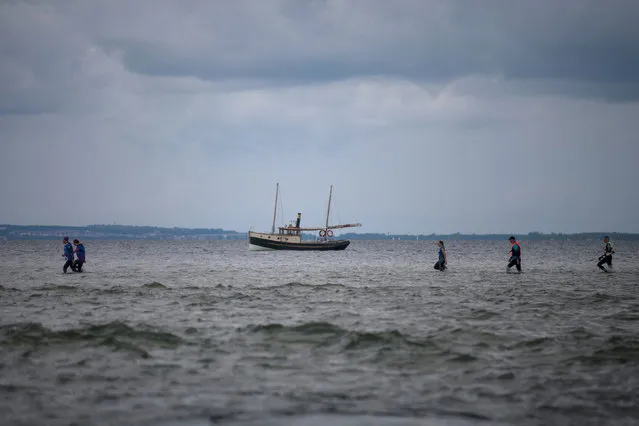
(81, 255)
(68, 255)
(442, 261)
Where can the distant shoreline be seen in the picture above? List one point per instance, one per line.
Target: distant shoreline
(125, 232)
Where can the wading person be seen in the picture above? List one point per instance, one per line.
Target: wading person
(68, 255)
(441, 263)
(606, 257)
(515, 254)
(80, 253)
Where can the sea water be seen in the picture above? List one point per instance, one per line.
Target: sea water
(208, 333)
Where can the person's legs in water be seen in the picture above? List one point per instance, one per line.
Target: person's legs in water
(67, 265)
(514, 261)
(603, 259)
(439, 265)
(77, 264)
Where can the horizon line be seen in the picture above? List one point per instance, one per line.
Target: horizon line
(350, 232)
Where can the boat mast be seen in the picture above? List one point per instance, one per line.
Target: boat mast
(328, 211)
(277, 189)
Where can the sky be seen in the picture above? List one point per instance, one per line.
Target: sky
(426, 116)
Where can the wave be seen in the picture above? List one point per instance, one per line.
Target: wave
(299, 285)
(535, 342)
(303, 329)
(112, 290)
(116, 335)
(624, 316)
(615, 350)
(603, 297)
(48, 287)
(324, 333)
(483, 314)
(155, 285)
(242, 296)
(621, 349)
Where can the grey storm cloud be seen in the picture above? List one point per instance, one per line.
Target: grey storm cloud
(573, 47)
(586, 41)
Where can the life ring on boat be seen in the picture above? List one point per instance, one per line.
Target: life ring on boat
(322, 233)
(329, 232)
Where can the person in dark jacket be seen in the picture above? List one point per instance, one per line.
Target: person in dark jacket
(515, 254)
(606, 257)
(80, 254)
(442, 261)
(68, 255)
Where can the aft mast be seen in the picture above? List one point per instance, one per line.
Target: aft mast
(277, 190)
(328, 211)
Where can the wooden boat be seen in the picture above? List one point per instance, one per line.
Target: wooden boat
(290, 237)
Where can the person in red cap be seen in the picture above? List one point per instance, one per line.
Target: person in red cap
(515, 254)
(68, 255)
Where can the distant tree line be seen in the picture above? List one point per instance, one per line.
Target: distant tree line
(108, 232)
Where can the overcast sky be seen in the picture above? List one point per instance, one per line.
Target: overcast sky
(426, 116)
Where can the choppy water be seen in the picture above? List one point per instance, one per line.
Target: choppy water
(208, 333)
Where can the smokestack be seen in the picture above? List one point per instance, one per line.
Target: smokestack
(299, 218)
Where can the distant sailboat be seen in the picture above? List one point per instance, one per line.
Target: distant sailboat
(290, 237)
